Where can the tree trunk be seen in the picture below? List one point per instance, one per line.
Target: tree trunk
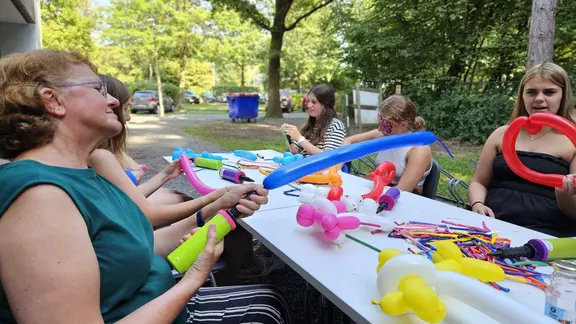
(299, 82)
(242, 68)
(273, 109)
(182, 80)
(542, 24)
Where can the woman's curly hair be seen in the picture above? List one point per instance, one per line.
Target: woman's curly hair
(24, 122)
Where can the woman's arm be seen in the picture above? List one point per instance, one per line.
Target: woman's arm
(362, 137)
(106, 165)
(418, 161)
(333, 139)
(156, 182)
(167, 239)
(49, 270)
(566, 197)
(483, 174)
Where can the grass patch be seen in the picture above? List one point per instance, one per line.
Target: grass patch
(263, 136)
(208, 108)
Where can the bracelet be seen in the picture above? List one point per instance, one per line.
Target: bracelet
(301, 139)
(476, 202)
(199, 220)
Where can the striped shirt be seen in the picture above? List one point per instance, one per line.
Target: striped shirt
(333, 138)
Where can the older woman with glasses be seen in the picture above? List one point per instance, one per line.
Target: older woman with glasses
(75, 246)
(398, 115)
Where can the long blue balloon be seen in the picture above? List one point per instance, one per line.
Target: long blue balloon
(296, 170)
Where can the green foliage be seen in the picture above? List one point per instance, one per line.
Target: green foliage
(463, 116)
(224, 89)
(67, 25)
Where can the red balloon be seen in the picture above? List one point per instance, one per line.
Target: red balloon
(533, 125)
(382, 176)
(335, 193)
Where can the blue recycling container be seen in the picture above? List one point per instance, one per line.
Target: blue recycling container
(243, 105)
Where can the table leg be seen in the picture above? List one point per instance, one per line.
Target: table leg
(307, 301)
(328, 310)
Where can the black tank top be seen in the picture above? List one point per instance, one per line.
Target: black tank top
(527, 204)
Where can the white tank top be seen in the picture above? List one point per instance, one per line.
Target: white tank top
(398, 157)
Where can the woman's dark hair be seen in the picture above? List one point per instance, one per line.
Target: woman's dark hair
(315, 128)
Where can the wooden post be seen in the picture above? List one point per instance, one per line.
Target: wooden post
(359, 107)
(542, 25)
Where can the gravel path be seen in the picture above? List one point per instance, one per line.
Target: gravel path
(150, 138)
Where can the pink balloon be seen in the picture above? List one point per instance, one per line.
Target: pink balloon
(329, 221)
(348, 222)
(193, 178)
(305, 215)
(333, 233)
(340, 206)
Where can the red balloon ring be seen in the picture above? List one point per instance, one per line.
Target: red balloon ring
(533, 125)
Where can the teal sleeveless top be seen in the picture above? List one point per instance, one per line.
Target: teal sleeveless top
(131, 274)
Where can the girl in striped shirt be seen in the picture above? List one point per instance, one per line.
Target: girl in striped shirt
(322, 131)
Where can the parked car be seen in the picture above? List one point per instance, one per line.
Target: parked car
(191, 97)
(208, 97)
(286, 101)
(148, 100)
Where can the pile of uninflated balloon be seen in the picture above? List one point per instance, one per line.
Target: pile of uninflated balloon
(473, 242)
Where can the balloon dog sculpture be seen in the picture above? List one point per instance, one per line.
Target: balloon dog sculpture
(331, 218)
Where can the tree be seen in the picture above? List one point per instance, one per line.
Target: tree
(277, 28)
(542, 24)
(67, 25)
(239, 43)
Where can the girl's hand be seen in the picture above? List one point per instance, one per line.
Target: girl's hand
(291, 131)
(569, 185)
(482, 209)
(173, 170)
(235, 197)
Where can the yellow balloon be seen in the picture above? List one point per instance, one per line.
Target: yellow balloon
(436, 257)
(449, 265)
(482, 270)
(410, 280)
(387, 254)
(448, 250)
(422, 299)
(432, 314)
(378, 267)
(393, 304)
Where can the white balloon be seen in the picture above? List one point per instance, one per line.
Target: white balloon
(305, 197)
(401, 266)
(322, 192)
(369, 206)
(324, 205)
(308, 188)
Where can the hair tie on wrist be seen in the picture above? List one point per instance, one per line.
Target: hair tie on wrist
(199, 220)
(476, 202)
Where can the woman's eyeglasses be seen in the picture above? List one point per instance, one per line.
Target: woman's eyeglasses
(100, 86)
